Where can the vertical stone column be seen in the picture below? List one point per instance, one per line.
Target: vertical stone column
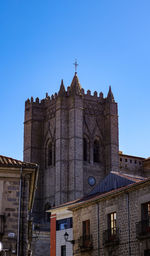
(111, 134)
(61, 150)
(33, 135)
(75, 147)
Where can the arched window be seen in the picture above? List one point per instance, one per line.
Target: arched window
(96, 151)
(85, 149)
(50, 154)
(47, 214)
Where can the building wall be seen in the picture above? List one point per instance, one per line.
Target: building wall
(9, 205)
(98, 215)
(61, 241)
(65, 119)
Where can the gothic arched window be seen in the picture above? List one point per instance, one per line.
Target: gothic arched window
(85, 146)
(50, 159)
(96, 151)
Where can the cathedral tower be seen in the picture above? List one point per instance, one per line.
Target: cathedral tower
(73, 136)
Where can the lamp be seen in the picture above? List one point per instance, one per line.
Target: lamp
(1, 246)
(66, 235)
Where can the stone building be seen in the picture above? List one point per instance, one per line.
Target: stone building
(73, 136)
(17, 189)
(114, 219)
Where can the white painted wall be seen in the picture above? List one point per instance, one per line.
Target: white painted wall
(61, 241)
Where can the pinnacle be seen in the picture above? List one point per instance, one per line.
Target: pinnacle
(110, 95)
(62, 89)
(75, 87)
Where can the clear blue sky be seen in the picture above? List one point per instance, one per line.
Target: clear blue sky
(39, 41)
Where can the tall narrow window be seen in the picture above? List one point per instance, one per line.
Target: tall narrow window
(112, 223)
(63, 250)
(96, 151)
(86, 228)
(84, 149)
(50, 154)
(86, 242)
(145, 212)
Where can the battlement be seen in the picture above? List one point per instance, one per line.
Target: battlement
(73, 89)
(48, 98)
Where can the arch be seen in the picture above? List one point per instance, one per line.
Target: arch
(50, 155)
(96, 151)
(86, 149)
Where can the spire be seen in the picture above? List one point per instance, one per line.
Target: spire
(75, 87)
(62, 89)
(110, 95)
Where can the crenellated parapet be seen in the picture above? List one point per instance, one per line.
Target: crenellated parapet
(74, 89)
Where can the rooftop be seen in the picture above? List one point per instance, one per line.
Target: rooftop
(10, 162)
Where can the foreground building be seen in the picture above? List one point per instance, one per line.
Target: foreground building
(114, 219)
(17, 190)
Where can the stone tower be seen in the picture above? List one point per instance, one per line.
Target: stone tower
(73, 136)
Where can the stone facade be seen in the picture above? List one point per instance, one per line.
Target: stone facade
(72, 135)
(131, 236)
(17, 188)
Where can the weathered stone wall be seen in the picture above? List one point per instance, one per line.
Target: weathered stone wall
(9, 205)
(41, 244)
(128, 214)
(65, 119)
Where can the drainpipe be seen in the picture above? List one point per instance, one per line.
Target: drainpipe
(128, 210)
(36, 181)
(19, 214)
(98, 230)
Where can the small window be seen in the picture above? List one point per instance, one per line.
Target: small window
(126, 160)
(112, 223)
(63, 250)
(135, 162)
(96, 151)
(139, 163)
(145, 211)
(130, 161)
(120, 159)
(64, 224)
(86, 228)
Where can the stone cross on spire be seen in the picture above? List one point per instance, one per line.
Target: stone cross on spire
(76, 65)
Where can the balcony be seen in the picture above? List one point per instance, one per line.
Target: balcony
(111, 237)
(86, 243)
(143, 229)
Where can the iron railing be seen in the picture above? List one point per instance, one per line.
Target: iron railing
(86, 243)
(111, 237)
(143, 229)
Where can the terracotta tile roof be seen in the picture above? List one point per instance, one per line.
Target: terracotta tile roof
(10, 162)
